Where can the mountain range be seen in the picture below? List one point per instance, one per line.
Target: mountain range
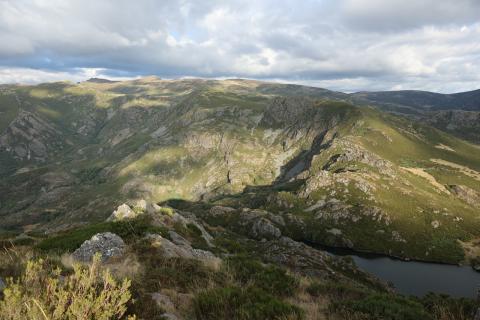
(396, 173)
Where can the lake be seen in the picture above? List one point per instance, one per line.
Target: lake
(418, 278)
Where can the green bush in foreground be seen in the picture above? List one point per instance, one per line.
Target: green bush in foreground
(42, 293)
(242, 304)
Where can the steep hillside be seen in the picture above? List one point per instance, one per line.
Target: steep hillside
(424, 100)
(71, 150)
(337, 174)
(457, 113)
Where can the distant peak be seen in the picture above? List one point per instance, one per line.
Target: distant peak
(99, 80)
(149, 78)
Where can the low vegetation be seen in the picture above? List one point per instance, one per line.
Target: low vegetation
(72, 239)
(43, 291)
(40, 285)
(242, 304)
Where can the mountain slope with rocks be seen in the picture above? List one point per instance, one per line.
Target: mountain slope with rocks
(330, 172)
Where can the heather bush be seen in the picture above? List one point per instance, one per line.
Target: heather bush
(42, 293)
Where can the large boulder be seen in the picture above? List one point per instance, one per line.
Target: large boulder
(264, 229)
(107, 244)
(123, 212)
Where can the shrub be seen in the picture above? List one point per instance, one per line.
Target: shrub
(446, 307)
(337, 291)
(234, 246)
(272, 279)
(446, 249)
(384, 306)
(42, 293)
(23, 242)
(185, 274)
(166, 211)
(242, 304)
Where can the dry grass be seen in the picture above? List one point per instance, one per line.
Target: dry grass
(316, 308)
(13, 259)
(465, 170)
(442, 313)
(444, 147)
(182, 302)
(422, 173)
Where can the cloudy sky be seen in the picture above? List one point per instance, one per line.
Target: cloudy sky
(346, 45)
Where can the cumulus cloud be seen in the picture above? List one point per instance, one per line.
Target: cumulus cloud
(346, 45)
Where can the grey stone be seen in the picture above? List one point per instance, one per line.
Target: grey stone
(163, 301)
(335, 231)
(123, 212)
(221, 211)
(190, 219)
(2, 285)
(264, 229)
(435, 224)
(184, 250)
(107, 244)
(178, 239)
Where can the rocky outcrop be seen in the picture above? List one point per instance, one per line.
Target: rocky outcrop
(352, 152)
(260, 224)
(288, 111)
(123, 212)
(220, 211)
(467, 194)
(180, 249)
(178, 239)
(187, 218)
(264, 229)
(296, 255)
(465, 124)
(29, 137)
(107, 244)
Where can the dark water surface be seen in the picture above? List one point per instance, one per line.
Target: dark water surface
(418, 278)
